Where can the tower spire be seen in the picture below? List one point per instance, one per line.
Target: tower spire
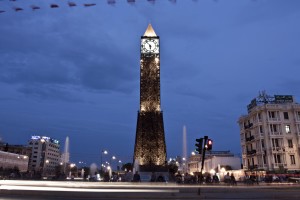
(150, 31)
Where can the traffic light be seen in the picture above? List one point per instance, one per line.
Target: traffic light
(199, 144)
(209, 144)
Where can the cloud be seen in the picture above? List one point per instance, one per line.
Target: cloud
(53, 52)
(49, 92)
(256, 11)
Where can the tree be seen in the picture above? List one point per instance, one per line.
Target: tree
(127, 166)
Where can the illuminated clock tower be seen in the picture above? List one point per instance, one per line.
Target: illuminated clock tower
(150, 145)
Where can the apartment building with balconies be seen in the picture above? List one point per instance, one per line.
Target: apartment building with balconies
(270, 134)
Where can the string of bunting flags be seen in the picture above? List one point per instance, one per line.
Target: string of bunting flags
(73, 4)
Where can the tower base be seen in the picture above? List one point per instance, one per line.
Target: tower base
(150, 147)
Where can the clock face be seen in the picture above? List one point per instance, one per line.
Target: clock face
(150, 46)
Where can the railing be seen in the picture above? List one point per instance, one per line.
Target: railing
(279, 165)
(274, 119)
(251, 152)
(278, 149)
(248, 126)
(250, 138)
(275, 133)
(252, 167)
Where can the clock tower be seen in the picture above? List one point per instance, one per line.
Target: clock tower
(150, 145)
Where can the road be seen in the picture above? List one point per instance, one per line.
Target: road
(50, 190)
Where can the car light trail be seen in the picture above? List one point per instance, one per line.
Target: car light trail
(61, 189)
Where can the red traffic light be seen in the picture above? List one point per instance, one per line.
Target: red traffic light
(209, 144)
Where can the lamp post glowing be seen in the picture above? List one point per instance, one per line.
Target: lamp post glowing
(120, 164)
(111, 161)
(102, 152)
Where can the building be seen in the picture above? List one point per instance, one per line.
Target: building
(11, 160)
(270, 134)
(17, 149)
(214, 160)
(150, 146)
(45, 155)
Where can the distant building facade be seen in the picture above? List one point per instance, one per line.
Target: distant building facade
(270, 134)
(11, 160)
(213, 161)
(17, 149)
(45, 155)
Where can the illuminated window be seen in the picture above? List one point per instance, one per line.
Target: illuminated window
(287, 128)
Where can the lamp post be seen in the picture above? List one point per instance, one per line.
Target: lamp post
(102, 152)
(119, 167)
(111, 163)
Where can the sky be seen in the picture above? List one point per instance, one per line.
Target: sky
(74, 71)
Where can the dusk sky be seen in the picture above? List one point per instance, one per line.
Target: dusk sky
(74, 71)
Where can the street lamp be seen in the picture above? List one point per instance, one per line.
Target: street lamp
(102, 152)
(111, 163)
(119, 167)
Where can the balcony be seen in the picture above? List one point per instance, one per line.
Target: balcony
(275, 133)
(250, 138)
(278, 149)
(252, 167)
(248, 126)
(253, 151)
(273, 119)
(279, 165)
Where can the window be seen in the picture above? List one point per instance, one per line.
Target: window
(277, 158)
(262, 143)
(261, 130)
(271, 114)
(264, 159)
(293, 161)
(285, 115)
(287, 128)
(298, 115)
(290, 143)
(259, 116)
(275, 142)
(273, 127)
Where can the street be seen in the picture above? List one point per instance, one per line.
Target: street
(50, 190)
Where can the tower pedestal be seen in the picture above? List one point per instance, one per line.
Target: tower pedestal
(150, 147)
